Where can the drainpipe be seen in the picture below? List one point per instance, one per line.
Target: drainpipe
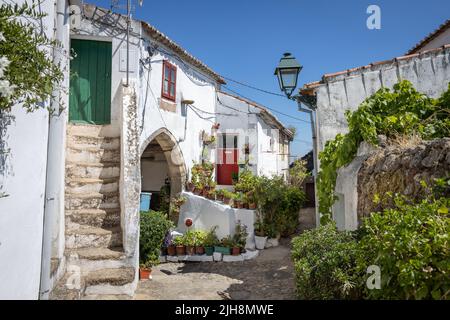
(52, 199)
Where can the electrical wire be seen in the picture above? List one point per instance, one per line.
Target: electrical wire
(254, 88)
(271, 109)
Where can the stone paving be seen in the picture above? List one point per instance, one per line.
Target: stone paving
(269, 276)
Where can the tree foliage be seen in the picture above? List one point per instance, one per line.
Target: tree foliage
(27, 72)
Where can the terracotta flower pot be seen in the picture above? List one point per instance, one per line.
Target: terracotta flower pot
(219, 197)
(252, 206)
(245, 205)
(190, 250)
(144, 273)
(191, 187)
(239, 204)
(235, 251)
(171, 250)
(181, 250)
(226, 200)
(197, 191)
(200, 250)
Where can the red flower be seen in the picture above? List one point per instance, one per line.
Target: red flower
(188, 222)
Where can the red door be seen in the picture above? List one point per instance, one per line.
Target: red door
(227, 159)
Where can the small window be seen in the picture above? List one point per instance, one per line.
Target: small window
(169, 81)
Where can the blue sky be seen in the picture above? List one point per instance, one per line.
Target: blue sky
(244, 39)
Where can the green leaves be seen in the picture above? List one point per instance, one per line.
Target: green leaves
(401, 111)
(31, 71)
(409, 242)
(153, 228)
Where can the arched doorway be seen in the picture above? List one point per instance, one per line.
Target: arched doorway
(162, 164)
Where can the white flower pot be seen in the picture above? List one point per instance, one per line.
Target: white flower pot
(260, 242)
(217, 256)
(273, 242)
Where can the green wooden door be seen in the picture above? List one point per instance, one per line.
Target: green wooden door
(90, 82)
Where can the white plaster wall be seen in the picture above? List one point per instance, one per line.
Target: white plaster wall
(154, 174)
(440, 40)
(206, 214)
(429, 73)
(237, 116)
(185, 124)
(267, 156)
(21, 212)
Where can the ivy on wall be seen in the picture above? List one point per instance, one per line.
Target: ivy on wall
(401, 111)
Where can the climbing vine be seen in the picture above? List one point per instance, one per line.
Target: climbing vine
(401, 111)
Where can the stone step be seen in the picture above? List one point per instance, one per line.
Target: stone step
(69, 287)
(91, 259)
(95, 254)
(110, 281)
(89, 185)
(98, 218)
(91, 130)
(83, 141)
(93, 169)
(94, 200)
(92, 154)
(90, 237)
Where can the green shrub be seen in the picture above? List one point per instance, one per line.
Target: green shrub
(279, 205)
(410, 244)
(400, 111)
(325, 264)
(153, 228)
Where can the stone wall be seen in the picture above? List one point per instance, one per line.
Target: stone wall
(400, 168)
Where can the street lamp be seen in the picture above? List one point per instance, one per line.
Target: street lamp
(287, 73)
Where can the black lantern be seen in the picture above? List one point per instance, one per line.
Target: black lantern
(287, 72)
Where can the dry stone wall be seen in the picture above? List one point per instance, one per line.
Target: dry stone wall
(400, 168)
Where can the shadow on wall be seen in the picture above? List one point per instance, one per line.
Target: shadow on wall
(6, 119)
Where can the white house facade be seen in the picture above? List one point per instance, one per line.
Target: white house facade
(131, 119)
(249, 134)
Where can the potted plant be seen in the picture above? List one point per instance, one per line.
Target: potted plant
(219, 194)
(145, 270)
(179, 246)
(234, 177)
(225, 245)
(251, 199)
(240, 238)
(211, 195)
(189, 242)
(154, 227)
(238, 200)
(190, 186)
(227, 196)
(198, 190)
(199, 240)
(211, 241)
(168, 244)
(260, 235)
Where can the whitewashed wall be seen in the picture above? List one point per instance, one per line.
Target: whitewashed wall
(240, 117)
(440, 40)
(186, 123)
(428, 72)
(154, 174)
(23, 179)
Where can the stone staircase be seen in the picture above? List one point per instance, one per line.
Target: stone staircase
(92, 217)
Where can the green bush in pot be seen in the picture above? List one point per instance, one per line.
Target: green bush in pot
(153, 228)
